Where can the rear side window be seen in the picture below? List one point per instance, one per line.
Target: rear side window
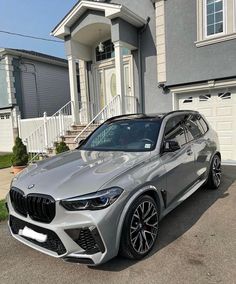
(174, 130)
(192, 127)
(202, 124)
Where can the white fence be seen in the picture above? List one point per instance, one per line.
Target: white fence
(40, 134)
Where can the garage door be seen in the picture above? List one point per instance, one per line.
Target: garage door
(6, 132)
(220, 110)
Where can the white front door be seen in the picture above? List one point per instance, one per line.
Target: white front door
(105, 81)
(219, 107)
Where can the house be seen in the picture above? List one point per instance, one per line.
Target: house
(31, 83)
(156, 56)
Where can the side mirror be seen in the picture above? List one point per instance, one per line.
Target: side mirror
(171, 146)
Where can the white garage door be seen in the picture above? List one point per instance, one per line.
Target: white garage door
(6, 132)
(220, 110)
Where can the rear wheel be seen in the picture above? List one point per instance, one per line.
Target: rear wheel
(214, 178)
(140, 228)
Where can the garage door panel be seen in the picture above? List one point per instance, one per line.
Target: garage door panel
(6, 132)
(219, 107)
(224, 111)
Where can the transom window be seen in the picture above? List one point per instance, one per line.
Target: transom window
(214, 17)
(108, 51)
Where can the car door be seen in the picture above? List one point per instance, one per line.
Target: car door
(179, 165)
(196, 130)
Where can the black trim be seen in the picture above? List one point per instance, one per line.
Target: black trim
(79, 260)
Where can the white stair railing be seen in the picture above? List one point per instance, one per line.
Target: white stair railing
(52, 128)
(111, 109)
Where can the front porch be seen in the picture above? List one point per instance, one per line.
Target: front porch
(100, 40)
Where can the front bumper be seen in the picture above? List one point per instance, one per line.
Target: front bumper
(88, 237)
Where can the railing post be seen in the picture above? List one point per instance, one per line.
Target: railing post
(19, 125)
(60, 123)
(45, 130)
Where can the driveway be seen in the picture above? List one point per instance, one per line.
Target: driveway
(5, 179)
(197, 244)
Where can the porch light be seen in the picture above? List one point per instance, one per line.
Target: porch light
(101, 47)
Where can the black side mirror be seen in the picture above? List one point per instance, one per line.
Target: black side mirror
(81, 142)
(171, 146)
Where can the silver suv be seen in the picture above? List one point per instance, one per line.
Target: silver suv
(108, 196)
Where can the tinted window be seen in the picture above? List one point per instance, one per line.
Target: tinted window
(174, 130)
(127, 135)
(192, 127)
(203, 127)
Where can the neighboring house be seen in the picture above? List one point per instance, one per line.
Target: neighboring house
(31, 83)
(156, 56)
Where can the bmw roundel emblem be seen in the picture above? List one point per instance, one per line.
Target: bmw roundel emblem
(31, 186)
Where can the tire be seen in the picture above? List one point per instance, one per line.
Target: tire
(214, 177)
(140, 228)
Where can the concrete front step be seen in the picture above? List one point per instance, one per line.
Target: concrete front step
(81, 127)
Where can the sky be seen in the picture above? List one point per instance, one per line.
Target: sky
(36, 18)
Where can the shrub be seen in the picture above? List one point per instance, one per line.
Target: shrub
(61, 147)
(20, 156)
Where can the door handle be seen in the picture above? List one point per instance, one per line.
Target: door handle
(189, 152)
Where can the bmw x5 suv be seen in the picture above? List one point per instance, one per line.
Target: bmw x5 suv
(108, 196)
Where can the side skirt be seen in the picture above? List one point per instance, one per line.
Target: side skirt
(189, 192)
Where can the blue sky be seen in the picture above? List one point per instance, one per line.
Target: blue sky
(35, 18)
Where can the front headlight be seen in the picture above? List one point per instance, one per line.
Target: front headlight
(93, 201)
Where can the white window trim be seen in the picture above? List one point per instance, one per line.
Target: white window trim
(224, 21)
(229, 24)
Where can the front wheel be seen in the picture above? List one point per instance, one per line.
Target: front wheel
(214, 178)
(140, 228)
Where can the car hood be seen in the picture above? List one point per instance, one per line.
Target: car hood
(76, 173)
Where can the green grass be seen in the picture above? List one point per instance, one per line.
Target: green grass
(3, 211)
(5, 161)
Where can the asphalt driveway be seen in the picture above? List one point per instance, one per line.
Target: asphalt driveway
(197, 244)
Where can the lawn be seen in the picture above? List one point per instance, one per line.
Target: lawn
(5, 161)
(3, 211)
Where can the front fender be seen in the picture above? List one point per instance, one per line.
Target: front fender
(140, 192)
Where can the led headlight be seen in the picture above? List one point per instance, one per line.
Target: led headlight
(93, 201)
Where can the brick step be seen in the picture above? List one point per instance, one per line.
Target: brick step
(81, 127)
(76, 132)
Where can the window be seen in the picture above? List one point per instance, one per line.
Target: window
(203, 127)
(193, 128)
(125, 135)
(174, 130)
(214, 17)
(107, 53)
(215, 21)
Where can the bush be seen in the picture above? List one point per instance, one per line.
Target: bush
(61, 147)
(20, 156)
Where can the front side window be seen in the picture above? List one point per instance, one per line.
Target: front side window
(128, 135)
(214, 17)
(174, 130)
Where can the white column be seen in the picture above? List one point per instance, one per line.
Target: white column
(73, 89)
(120, 86)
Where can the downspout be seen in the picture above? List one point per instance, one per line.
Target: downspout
(140, 63)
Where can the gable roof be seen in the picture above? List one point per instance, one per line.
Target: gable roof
(34, 55)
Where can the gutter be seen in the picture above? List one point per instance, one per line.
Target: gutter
(140, 63)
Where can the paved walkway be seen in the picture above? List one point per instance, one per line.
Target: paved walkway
(5, 179)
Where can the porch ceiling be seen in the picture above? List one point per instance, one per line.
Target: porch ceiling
(112, 11)
(92, 34)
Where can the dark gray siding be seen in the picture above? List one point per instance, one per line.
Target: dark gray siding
(154, 100)
(185, 62)
(45, 88)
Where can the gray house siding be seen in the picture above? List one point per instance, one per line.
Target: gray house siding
(153, 99)
(187, 63)
(3, 86)
(45, 88)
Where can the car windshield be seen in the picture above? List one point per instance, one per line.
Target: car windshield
(126, 135)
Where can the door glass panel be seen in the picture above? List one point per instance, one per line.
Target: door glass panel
(101, 90)
(174, 130)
